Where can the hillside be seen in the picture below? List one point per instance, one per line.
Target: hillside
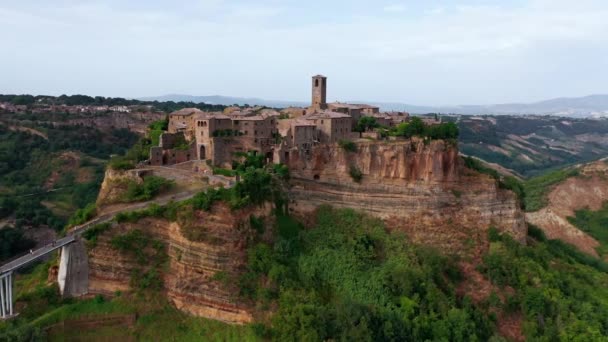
(531, 145)
(48, 170)
(572, 206)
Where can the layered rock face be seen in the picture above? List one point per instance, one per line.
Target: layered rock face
(420, 188)
(199, 276)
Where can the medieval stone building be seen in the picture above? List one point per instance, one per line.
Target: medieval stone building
(196, 135)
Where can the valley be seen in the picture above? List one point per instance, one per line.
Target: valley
(375, 237)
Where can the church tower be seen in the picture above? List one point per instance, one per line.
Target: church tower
(319, 92)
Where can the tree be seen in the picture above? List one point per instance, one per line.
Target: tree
(366, 123)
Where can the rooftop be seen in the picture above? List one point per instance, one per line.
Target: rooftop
(186, 111)
(326, 114)
(211, 115)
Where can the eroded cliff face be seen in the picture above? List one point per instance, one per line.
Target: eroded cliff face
(115, 184)
(421, 189)
(588, 190)
(198, 276)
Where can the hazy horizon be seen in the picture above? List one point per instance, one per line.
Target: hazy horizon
(446, 53)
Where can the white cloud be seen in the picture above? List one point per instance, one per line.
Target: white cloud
(218, 46)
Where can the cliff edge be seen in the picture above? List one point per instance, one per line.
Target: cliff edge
(419, 187)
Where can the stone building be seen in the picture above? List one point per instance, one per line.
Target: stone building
(217, 136)
(331, 126)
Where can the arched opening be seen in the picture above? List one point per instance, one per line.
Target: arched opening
(268, 157)
(316, 177)
(202, 154)
(317, 82)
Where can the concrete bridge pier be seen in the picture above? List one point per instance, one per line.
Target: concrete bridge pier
(73, 275)
(6, 295)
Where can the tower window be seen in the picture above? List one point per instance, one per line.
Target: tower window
(317, 82)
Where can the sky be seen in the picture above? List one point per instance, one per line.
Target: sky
(444, 52)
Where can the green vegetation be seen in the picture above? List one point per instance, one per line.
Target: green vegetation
(532, 145)
(140, 151)
(157, 128)
(366, 123)
(156, 319)
(83, 215)
(504, 182)
(416, 127)
(538, 188)
(355, 174)
(224, 172)
(13, 242)
(148, 189)
(84, 100)
(348, 279)
(348, 145)
(560, 291)
(43, 182)
(150, 255)
(92, 233)
(594, 223)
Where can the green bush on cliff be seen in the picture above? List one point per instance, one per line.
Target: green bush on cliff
(151, 186)
(348, 145)
(355, 174)
(92, 233)
(83, 215)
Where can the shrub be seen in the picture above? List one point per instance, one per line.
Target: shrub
(83, 215)
(224, 172)
(92, 233)
(355, 174)
(348, 145)
(151, 186)
(121, 163)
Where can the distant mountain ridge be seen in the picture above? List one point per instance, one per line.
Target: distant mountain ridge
(587, 106)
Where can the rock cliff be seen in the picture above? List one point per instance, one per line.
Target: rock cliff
(198, 276)
(420, 188)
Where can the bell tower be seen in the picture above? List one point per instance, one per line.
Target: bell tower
(319, 92)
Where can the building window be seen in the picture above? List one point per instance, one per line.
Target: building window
(202, 134)
(317, 82)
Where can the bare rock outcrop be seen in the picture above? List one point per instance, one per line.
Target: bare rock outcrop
(421, 188)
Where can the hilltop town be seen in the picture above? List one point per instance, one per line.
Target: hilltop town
(194, 134)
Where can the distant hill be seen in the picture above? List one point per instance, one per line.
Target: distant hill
(225, 100)
(588, 106)
(531, 145)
